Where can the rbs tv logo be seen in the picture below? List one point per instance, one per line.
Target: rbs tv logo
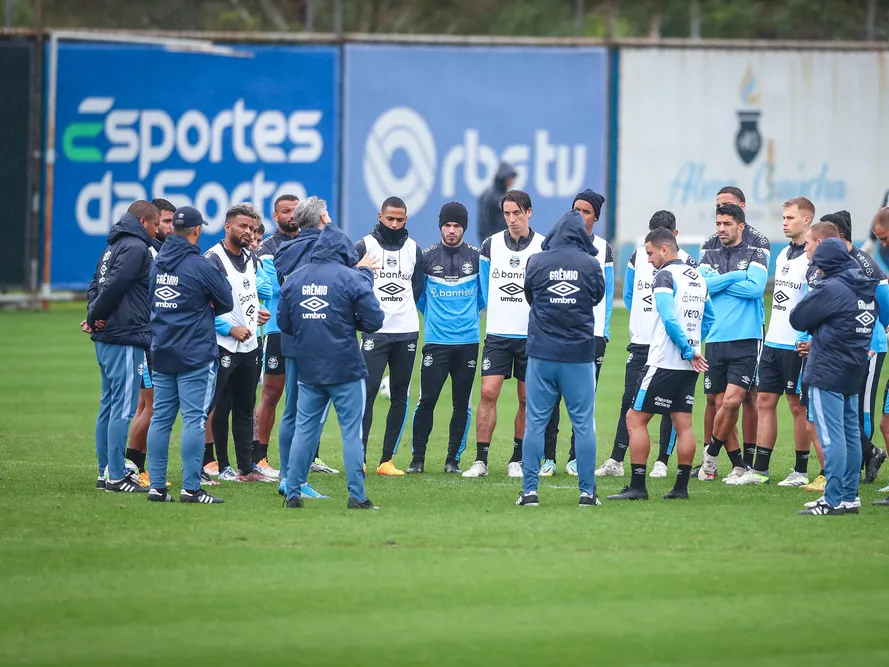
(168, 154)
(542, 168)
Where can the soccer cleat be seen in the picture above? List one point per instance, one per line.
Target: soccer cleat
(817, 485)
(100, 483)
(676, 494)
(206, 480)
(200, 496)
(126, 485)
(885, 489)
(659, 471)
(452, 468)
(254, 476)
(143, 479)
(735, 475)
(707, 472)
(415, 468)
(514, 469)
(629, 493)
(821, 508)
(571, 467)
(851, 507)
(477, 469)
(320, 466)
(812, 503)
(587, 500)
(294, 503)
(227, 474)
(160, 496)
(282, 487)
(528, 500)
(872, 469)
(747, 478)
(388, 468)
(548, 469)
(306, 491)
(366, 504)
(882, 503)
(795, 479)
(611, 468)
(212, 469)
(268, 470)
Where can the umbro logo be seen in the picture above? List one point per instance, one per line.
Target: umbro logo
(511, 289)
(314, 304)
(865, 319)
(166, 293)
(780, 297)
(648, 298)
(563, 288)
(391, 289)
(690, 273)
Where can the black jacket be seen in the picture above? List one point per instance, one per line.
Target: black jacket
(184, 286)
(563, 283)
(118, 292)
(840, 313)
(490, 214)
(289, 256)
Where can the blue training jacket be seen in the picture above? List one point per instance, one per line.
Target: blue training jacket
(452, 296)
(736, 278)
(266, 254)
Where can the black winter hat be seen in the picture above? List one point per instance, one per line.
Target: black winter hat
(453, 212)
(594, 198)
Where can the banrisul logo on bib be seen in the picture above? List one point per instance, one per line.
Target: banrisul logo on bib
(248, 151)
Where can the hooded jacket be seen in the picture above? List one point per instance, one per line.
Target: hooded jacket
(563, 283)
(323, 305)
(840, 313)
(118, 292)
(289, 256)
(490, 215)
(184, 286)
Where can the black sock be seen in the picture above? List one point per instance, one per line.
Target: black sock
(136, 457)
(516, 451)
(802, 462)
(619, 451)
(715, 445)
(763, 456)
(255, 449)
(736, 459)
(481, 451)
(682, 475)
(637, 481)
(867, 451)
(263, 451)
(664, 453)
(209, 456)
(749, 452)
(822, 472)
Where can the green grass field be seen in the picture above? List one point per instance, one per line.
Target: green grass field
(448, 572)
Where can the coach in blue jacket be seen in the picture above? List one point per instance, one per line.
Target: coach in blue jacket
(562, 283)
(187, 291)
(117, 319)
(839, 313)
(323, 305)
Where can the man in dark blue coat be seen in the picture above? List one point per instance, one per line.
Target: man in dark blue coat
(323, 306)
(562, 283)
(839, 313)
(117, 319)
(188, 291)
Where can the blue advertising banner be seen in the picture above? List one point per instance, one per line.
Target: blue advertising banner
(431, 124)
(139, 122)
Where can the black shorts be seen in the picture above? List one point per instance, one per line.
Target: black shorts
(273, 358)
(505, 356)
(733, 362)
(779, 370)
(145, 372)
(665, 390)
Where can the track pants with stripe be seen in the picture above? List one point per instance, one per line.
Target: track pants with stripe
(399, 356)
(867, 403)
(439, 362)
(119, 366)
(191, 393)
(836, 421)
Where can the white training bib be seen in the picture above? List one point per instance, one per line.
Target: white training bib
(689, 294)
(508, 311)
(246, 310)
(643, 314)
(393, 286)
(790, 284)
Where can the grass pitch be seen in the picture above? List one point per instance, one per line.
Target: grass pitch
(448, 572)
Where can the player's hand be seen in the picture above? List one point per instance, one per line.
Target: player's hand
(699, 363)
(263, 316)
(871, 354)
(100, 324)
(85, 328)
(370, 261)
(803, 349)
(240, 334)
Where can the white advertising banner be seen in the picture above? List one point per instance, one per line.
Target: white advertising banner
(777, 124)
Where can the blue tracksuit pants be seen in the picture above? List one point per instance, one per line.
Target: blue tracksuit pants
(288, 419)
(119, 365)
(836, 420)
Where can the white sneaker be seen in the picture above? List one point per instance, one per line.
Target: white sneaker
(748, 478)
(795, 479)
(321, 467)
(659, 471)
(856, 504)
(571, 467)
(227, 475)
(813, 503)
(610, 468)
(477, 469)
(548, 469)
(735, 476)
(707, 473)
(514, 469)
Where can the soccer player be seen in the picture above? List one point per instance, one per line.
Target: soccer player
(117, 318)
(684, 318)
(502, 274)
(187, 291)
(239, 353)
(273, 366)
(322, 305)
(398, 284)
(780, 364)
(840, 314)
(563, 284)
(736, 277)
(749, 420)
(639, 300)
(880, 231)
(451, 302)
